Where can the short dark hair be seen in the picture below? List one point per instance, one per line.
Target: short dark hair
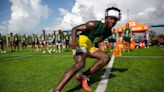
(113, 8)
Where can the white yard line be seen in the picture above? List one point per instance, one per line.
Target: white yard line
(16, 57)
(24, 56)
(142, 56)
(104, 81)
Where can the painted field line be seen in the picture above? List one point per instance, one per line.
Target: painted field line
(104, 81)
(24, 56)
(16, 57)
(142, 56)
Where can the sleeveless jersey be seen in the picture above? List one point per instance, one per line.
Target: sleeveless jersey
(59, 37)
(98, 34)
(127, 32)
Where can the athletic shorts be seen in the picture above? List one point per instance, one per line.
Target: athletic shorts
(127, 39)
(85, 44)
(43, 42)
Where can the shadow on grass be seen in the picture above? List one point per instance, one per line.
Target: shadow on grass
(97, 77)
(119, 69)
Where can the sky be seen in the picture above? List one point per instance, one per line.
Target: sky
(32, 16)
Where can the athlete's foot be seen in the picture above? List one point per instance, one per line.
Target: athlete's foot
(83, 79)
(53, 50)
(4, 51)
(44, 52)
(49, 51)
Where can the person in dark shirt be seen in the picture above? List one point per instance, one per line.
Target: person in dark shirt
(67, 41)
(127, 37)
(16, 42)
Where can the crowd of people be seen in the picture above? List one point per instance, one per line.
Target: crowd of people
(56, 41)
(46, 43)
(127, 39)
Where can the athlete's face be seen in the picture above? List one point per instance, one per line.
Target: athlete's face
(110, 21)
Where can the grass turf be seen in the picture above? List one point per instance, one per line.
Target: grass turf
(38, 72)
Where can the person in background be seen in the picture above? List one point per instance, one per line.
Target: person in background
(16, 42)
(67, 41)
(2, 44)
(54, 42)
(114, 35)
(37, 42)
(127, 37)
(49, 43)
(59, 41)
(11, 40)
(146, 38)
(44, 43)
(33, 38)
(24, 42)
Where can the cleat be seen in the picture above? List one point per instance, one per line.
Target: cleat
(44, 52)
(83, 80)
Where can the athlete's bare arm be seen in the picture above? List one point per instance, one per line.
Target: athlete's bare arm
(83, 27)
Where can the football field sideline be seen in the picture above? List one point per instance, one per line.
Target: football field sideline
(59, 55)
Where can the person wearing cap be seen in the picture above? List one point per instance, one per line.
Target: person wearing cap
(83, 46)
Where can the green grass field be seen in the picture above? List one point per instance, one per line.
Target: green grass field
(36, 72)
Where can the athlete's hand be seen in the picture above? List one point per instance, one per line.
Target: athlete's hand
(73, 45)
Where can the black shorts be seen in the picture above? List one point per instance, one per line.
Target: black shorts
(16, 43)
(24, 43)
(67, 42)
(127, 39)
(33, 42)
(43, 42)
(113, 40)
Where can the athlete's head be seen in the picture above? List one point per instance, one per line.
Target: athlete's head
(44, 32)
(60, 31)
(114, 29)
(11, 33)
(127, 24)
(112, 15)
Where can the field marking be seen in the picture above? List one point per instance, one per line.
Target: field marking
(16, 57)
(59, 55)
(24, 56)
(142, 56)
(66, 55)
(104, 81)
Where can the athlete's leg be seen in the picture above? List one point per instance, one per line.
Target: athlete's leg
(79, 63)
(102, 60)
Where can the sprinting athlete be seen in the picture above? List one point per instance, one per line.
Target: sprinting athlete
(83, 45)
